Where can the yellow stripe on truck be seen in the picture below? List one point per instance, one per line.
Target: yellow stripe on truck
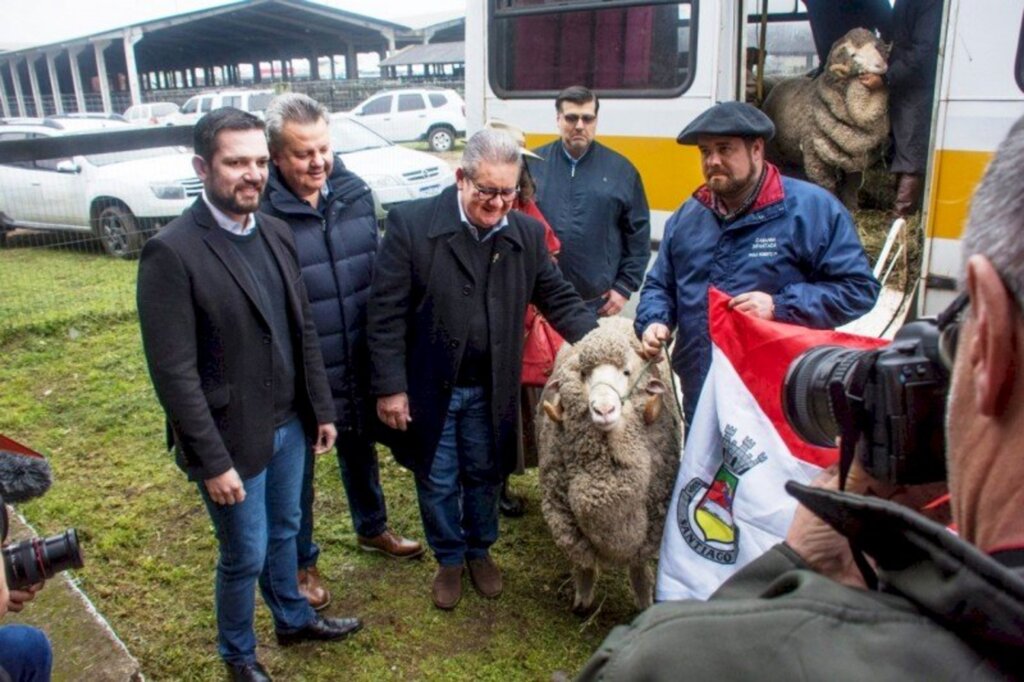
(956, 174)
(670, 171)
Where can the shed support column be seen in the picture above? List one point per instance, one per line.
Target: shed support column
(314, 66)
(333, 74)
(257, 77)
(351, 63)
(51, 70)
(76, 77)
(16, 84)
(101, 71)
(3, 98)
(131, 37)
(33, 82)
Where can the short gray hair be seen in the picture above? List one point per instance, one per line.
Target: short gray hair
(292, 107)
(490, 146)
(995, 226)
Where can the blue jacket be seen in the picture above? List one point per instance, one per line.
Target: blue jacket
(600, 215)
(797, 242)
(336, 255)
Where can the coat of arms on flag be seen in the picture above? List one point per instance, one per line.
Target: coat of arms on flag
(729, 505)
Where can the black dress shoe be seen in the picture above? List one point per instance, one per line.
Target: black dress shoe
(321, 630)
(510, 505)
(248, 672)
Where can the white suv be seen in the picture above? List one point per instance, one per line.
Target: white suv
(253, 101)
(394, 173)
(120, 197)
(432, 114)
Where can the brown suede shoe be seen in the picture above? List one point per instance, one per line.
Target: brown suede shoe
(486, 576)
(447, 587)
(309, 587)
(391, 544)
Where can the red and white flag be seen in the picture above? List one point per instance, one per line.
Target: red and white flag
(729, 504)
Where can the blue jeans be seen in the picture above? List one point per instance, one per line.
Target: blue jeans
(25, 653)
(360, 475)
(459, 498)
(257, 541)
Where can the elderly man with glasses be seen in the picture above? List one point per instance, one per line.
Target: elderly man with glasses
(445, 325)
(945, 606)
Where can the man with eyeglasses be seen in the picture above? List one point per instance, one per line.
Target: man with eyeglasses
(594, 199)
(946, 606)
(445, 326)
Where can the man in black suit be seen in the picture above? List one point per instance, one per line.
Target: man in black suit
(236, 365)
(445, 330)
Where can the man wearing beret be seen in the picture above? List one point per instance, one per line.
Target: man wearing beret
(784, 249)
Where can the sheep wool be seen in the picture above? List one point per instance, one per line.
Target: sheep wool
(609, 434)
(832, 124)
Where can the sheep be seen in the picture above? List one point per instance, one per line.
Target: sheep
(832, 123)
(608, 437)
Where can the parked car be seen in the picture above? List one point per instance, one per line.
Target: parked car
(432, 114)
(120, 197)
(151, 113)
(395, 174)
(253, 101)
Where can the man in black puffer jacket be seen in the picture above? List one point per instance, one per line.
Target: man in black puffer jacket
(331, 213)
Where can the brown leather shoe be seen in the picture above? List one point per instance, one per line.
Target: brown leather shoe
(486, 576)
(309, 587)
(391, 544)
(447, 588)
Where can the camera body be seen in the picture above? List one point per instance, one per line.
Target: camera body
(32, 561)
(890, 402)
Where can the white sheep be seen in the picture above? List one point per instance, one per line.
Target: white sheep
(831, 124)
(608, 438)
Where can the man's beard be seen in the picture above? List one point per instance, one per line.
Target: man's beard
(231, 203)
(731, 188)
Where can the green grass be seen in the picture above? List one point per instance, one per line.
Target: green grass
(84, 398)
(75, 387)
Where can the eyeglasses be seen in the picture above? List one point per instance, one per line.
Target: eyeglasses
(573, 119)
(948, 322)
(488, 193)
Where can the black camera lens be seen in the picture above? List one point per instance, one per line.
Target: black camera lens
(31, 561)
(806, 399)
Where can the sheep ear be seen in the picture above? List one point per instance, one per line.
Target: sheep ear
(652, 409)
(655, 387)
(839, 70)
(553, 410)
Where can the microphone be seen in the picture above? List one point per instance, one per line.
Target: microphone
(24, 473)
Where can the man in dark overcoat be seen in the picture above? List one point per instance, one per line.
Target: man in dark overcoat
(236, 364)
(450, 289)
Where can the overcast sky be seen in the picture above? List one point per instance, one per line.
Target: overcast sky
(37, 22)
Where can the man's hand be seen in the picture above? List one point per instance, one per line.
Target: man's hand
(871, 81)
(655, 337)
(326, 434)
(754, 303)
(393, 410)
(18, 598)
(226, 488)
(613, 303)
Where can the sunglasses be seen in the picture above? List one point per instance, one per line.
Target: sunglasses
(948, 322)
(573, 119)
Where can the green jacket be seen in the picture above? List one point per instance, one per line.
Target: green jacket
(944, 611)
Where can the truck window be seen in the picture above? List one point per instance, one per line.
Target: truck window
(622, 48)
(410, 102)
(381, 105)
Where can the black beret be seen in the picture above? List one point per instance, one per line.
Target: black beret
(734, 119)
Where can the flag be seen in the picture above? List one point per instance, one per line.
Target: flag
(729, 505)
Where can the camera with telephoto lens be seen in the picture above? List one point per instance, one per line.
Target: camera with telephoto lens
(37, 559)
(889, 404)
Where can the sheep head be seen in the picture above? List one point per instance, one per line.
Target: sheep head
(856, 53)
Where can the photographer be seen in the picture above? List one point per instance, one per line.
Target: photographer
(24, 651)
(924, 604)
